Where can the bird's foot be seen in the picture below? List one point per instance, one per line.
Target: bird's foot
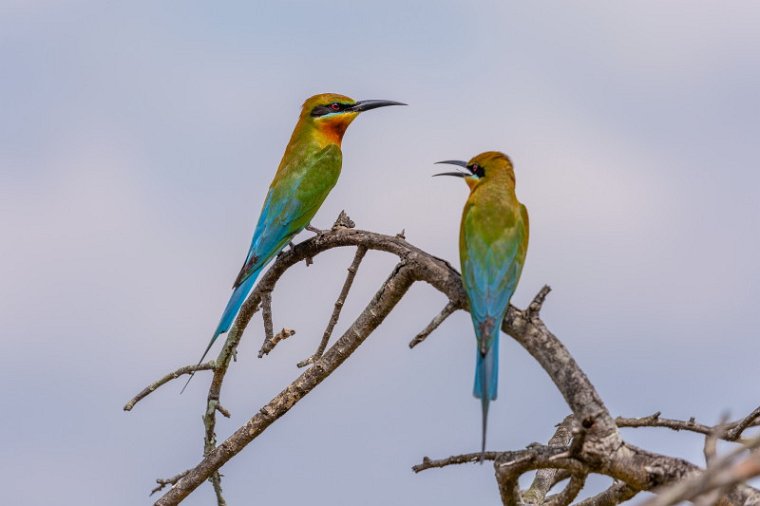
(314, 229)
(290, 247)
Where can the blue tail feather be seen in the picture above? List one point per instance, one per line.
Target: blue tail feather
(486, 382)
(487, 372)
(233, 305)
(228, 316)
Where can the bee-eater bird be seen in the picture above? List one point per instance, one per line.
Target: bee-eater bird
(493, 241)
(308, 171)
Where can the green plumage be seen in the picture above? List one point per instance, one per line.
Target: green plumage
(493, 242)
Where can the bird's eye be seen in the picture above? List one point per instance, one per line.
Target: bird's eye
(477, 170)
(335, 106)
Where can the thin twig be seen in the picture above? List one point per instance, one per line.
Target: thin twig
(447, 310)
(467, 458)
(655, 420)
(170, 481)
(373, 315)
(509, 466)
(223, 411)
(266, 314)
(570, 492)
(619, 492)
(358, 257)
(216, 482)
(269, 344)
(534, 308)
(752, 419)
(188, 369)
(711, 440)
(545, 479)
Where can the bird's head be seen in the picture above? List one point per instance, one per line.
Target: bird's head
(488, 166)
(331, 113)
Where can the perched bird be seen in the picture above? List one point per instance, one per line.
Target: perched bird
(493, 241)
(309, 169)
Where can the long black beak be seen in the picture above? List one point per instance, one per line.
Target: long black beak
(366, 105)
(460, 163)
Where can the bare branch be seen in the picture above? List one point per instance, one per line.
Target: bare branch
(602, 449)
(534, 308)
(724, 472)
(216, 482)
(510, 466)
(343, 221)
(373, 315)
(711, 440)
(223, 411)
(169, 481)
(266, 314)
(188, 369)
(545, 479)
(619, 492)
(732, 432)
(466, 458)
(656, 421)
(269, 344)
(447, 310)
(358, 257)
(750, 420)
(571, 491)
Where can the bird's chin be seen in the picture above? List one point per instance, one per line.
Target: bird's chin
(471, 181)
(334, 126)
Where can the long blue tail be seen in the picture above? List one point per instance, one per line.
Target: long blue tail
(486, 382)
(228, 316)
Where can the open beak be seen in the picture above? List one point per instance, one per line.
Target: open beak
(459, 163)
(366, 105)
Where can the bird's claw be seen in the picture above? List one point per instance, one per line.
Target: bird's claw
(290, 247)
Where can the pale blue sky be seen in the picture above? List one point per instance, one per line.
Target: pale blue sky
(137, 142)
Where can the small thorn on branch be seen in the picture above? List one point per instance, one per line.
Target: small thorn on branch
(534, 309)
(269, 344)
(343, 221)
(439, 318)
(170, 481)
(223, 411)
(402, 234)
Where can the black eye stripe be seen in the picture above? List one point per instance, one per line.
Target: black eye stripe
(322, 110)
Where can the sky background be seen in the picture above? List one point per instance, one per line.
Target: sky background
(137, 141)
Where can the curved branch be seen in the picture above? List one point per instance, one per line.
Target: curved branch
(599, 448)
(731, 431)
(188, 369)
(382, 304)
(617, 493)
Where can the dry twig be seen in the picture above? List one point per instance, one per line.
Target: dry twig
(352, 269)
(188, 369)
